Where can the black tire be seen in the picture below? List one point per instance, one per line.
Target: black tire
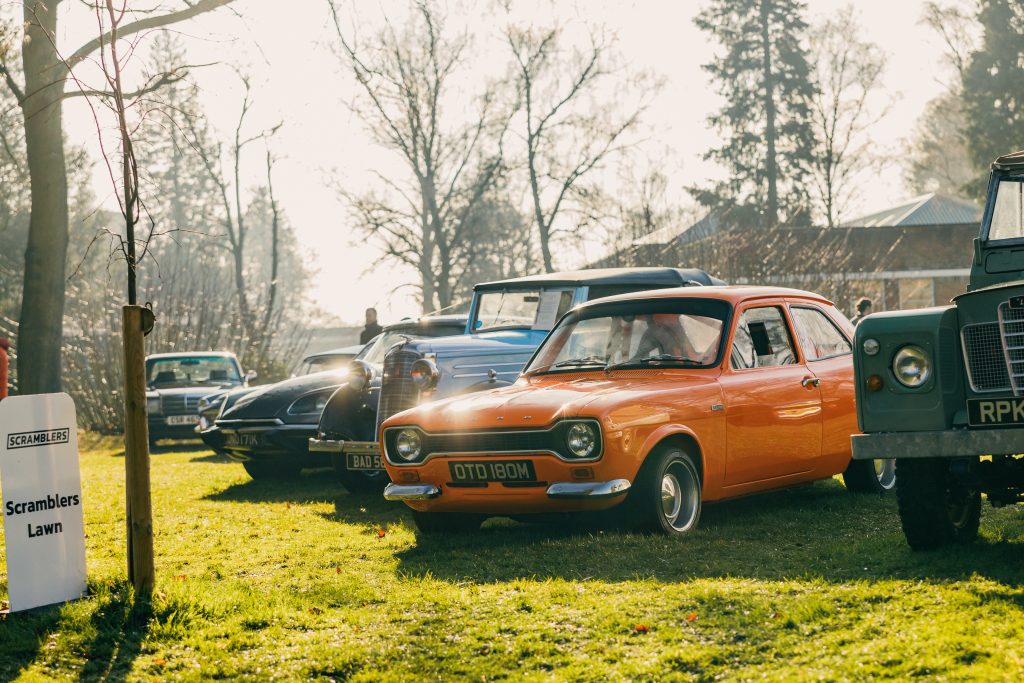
(870, 476)
(358, 482)
(263, 471)
(432, 523)
(935, 509)
(666, 496)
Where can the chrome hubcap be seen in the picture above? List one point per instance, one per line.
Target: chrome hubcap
(680, 495)
(885, 472)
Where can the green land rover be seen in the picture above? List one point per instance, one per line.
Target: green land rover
(942, 389)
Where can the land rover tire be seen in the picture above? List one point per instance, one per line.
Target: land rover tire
(438, 523)
(935, 509)
(666, 496)
(268, 471)
(358, 482)
(870, 476)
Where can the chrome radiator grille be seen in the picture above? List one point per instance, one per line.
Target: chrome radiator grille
(397, 392)
(1011, 327)
(180, 405)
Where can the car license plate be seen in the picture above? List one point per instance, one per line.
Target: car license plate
(242, 439)
(363, 461)
(995, 412)
(492, 470)
(178, 420)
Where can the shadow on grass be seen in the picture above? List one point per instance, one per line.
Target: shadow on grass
(311, 486)
(116, 628)
(817, 532)
(212, 457)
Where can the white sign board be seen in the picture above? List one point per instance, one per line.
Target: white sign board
(42, 500)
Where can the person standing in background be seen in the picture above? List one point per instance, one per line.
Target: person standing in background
(863, 309)
(372, 328)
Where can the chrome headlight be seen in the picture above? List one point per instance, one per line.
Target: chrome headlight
(911, 366)
(360, 373)
(311, 403)
(424, 374)
(153, 405)
(408, 444)
(581, 439)
(871, 347)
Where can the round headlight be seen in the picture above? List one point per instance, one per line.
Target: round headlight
(153, 406)
(581, 439)
(911, 366)
(871, 347)
(424, 374)
(407, 444)
(360, 373)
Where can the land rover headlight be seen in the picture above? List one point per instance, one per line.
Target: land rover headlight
(408, 444)
(424, 374)
(581, 439)
(911, 366)
(153, 405)
(360, 373)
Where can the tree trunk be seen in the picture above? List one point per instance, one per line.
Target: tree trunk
(771, 169)
(41, 322)
(543, 227)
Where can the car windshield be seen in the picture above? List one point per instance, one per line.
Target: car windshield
(192, 371)
(1008, 210)
(535, 309)
(323, 363)
(673, 332)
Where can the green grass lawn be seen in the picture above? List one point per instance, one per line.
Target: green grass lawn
(296, 581)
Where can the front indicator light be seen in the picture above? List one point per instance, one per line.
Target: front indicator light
(581, 439)
(911, 366)
(874, 383)
(407, 444)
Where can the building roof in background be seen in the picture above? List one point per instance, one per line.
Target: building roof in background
(928, 209)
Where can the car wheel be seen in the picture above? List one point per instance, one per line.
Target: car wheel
(870, 476)
(358, 481)
(262, 471)
(935, 509)
(666, 497)
(446, 522)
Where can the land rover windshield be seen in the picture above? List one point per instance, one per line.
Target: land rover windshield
(531, 309)
(665, 332)
(1007, 221)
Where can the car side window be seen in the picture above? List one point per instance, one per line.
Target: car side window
(762, 339)
(819, 336)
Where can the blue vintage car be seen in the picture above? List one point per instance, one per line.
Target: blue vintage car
(508, 320)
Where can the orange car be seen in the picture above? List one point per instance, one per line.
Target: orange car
(652, 401)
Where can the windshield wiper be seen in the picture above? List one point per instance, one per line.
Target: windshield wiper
(589, 360)
(660, 358)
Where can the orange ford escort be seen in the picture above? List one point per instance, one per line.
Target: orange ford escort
(652, 401)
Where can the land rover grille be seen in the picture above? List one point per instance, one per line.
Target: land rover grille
(994, 352)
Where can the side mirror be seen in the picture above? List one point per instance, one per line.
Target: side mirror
(251, 375)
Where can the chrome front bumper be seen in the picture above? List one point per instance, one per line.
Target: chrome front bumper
(339, 446)
(411, 492)
(589, 490)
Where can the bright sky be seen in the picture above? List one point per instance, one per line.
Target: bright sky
(287, 47)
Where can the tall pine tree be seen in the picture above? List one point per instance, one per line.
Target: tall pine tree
(993, 86)
(764, 76)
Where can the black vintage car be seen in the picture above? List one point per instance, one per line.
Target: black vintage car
(268, 429)
(508, 321)
(175, 384)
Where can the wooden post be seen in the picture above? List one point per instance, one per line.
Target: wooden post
(136, 456)
(4, 360)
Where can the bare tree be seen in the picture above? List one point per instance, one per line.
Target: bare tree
(849, 74)
(450, 144)
(569, 124)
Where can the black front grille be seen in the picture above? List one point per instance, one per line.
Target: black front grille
(514, 440)
(180, 405)
(397, 392)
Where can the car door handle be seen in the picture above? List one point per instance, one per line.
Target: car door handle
(809, 382)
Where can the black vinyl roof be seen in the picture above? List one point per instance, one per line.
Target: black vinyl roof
(656, 277)
(1010, 162)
